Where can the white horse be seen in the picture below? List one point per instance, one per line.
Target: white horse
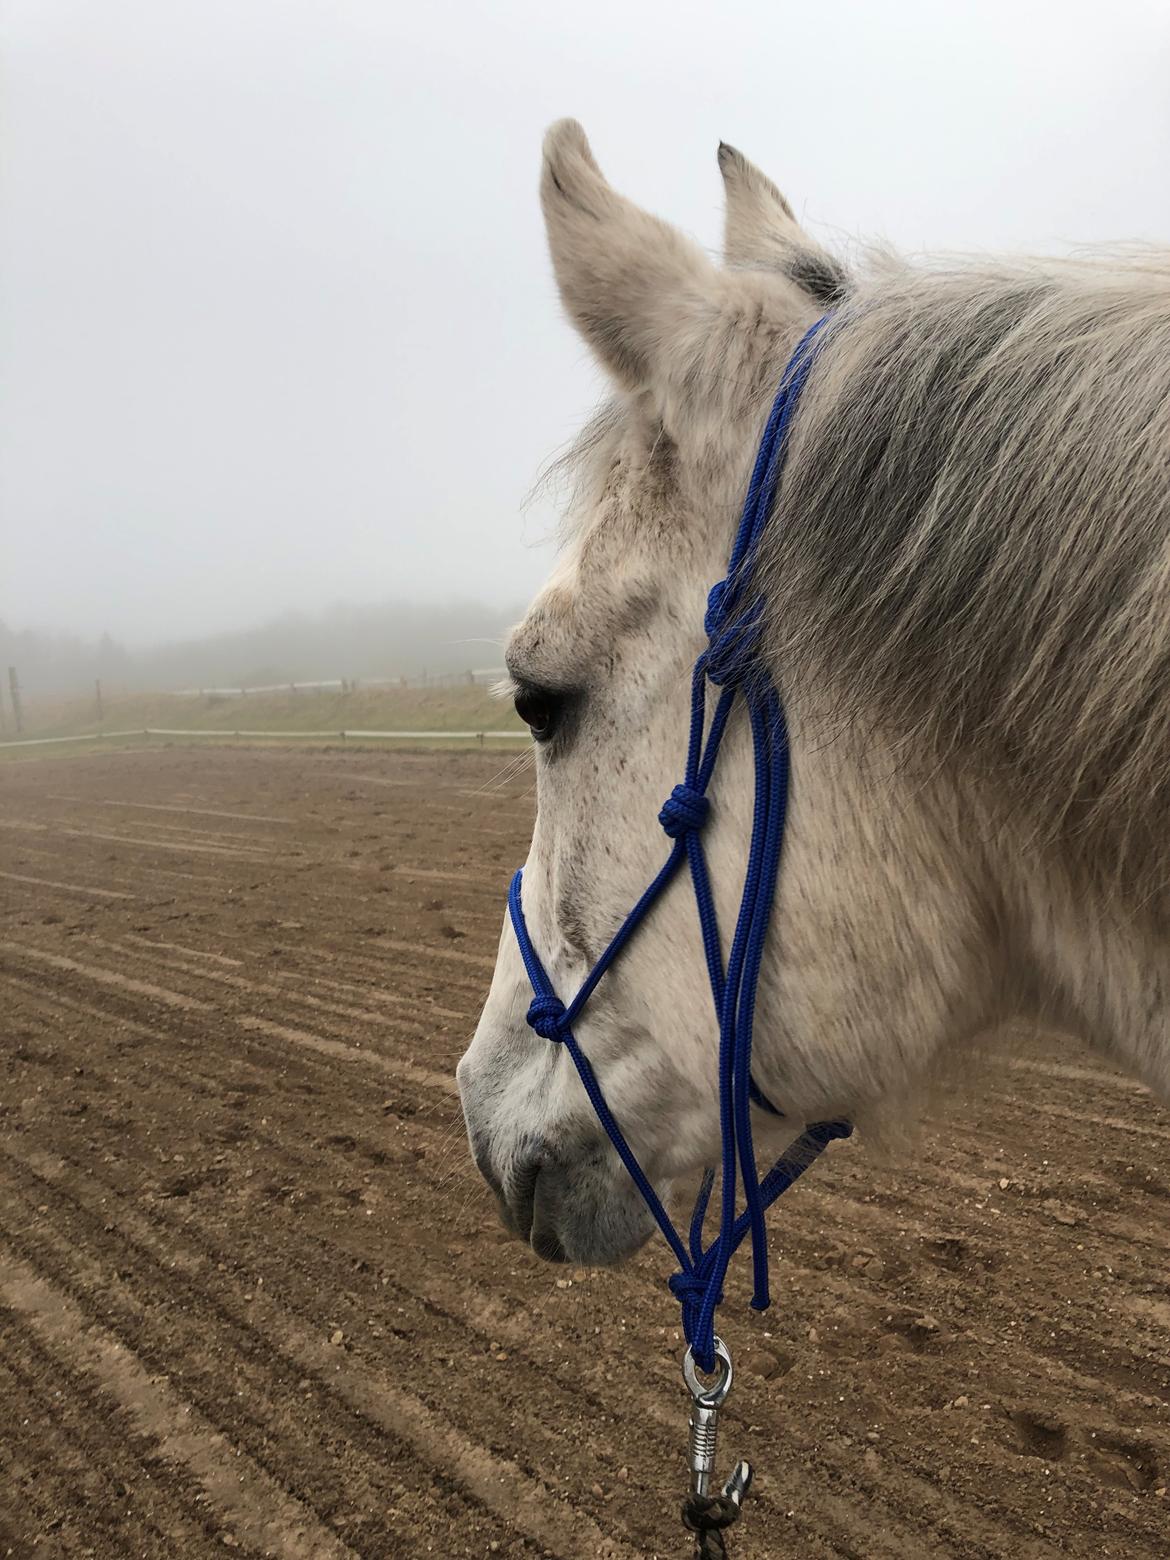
(967, 583)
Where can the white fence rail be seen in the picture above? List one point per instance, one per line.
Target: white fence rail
(308, 736)
(478, 677)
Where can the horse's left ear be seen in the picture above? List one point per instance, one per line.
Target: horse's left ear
(639, 291)
(760, 231)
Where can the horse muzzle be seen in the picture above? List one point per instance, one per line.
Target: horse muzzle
(570, 1201)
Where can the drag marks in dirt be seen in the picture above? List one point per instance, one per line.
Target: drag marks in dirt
(171, 807)
(88, 892)
(251, 1507)
(103, 977)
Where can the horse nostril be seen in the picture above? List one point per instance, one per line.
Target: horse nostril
(483, 1162)
(546, 1244)
(522, 1195)
(548, 1193)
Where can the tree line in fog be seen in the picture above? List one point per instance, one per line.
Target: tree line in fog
(392, 639)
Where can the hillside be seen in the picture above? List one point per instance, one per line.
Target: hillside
(352, 640)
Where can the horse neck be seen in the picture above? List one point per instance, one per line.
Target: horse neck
(1090, 963)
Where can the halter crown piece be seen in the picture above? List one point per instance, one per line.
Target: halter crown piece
(732, 664)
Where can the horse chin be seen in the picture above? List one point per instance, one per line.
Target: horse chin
(585, 1211)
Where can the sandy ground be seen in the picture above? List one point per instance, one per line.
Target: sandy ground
(253, 1298)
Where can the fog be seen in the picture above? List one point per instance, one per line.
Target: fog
(278, 328)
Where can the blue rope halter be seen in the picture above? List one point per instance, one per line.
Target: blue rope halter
(731, 662)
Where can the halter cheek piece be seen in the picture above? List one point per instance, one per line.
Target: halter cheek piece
(732, 664)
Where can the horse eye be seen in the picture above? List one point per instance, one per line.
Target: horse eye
(538, 709)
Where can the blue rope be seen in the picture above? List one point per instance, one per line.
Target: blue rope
(732, 663)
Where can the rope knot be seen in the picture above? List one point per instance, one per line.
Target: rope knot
(689, 1287)
(684, 811)
(716, 608)
(708, 1517)
(732, 647)
(548, 1017)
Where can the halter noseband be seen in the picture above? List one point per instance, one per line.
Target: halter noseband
(733, 664)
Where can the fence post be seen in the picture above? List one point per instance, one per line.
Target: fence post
(14, 690)
(97, 688)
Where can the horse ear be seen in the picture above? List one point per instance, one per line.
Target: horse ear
(761, 231)
(636, 288)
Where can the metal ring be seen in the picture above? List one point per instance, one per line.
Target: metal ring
(711, 1396)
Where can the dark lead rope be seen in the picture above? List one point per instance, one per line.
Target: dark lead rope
(732, 663)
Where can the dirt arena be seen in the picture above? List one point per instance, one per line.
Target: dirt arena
(253, 1299)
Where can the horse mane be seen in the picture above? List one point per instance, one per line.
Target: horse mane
(971, 547)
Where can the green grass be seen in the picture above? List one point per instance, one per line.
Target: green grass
(462, 708)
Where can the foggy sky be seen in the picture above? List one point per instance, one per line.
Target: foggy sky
(277, 326)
